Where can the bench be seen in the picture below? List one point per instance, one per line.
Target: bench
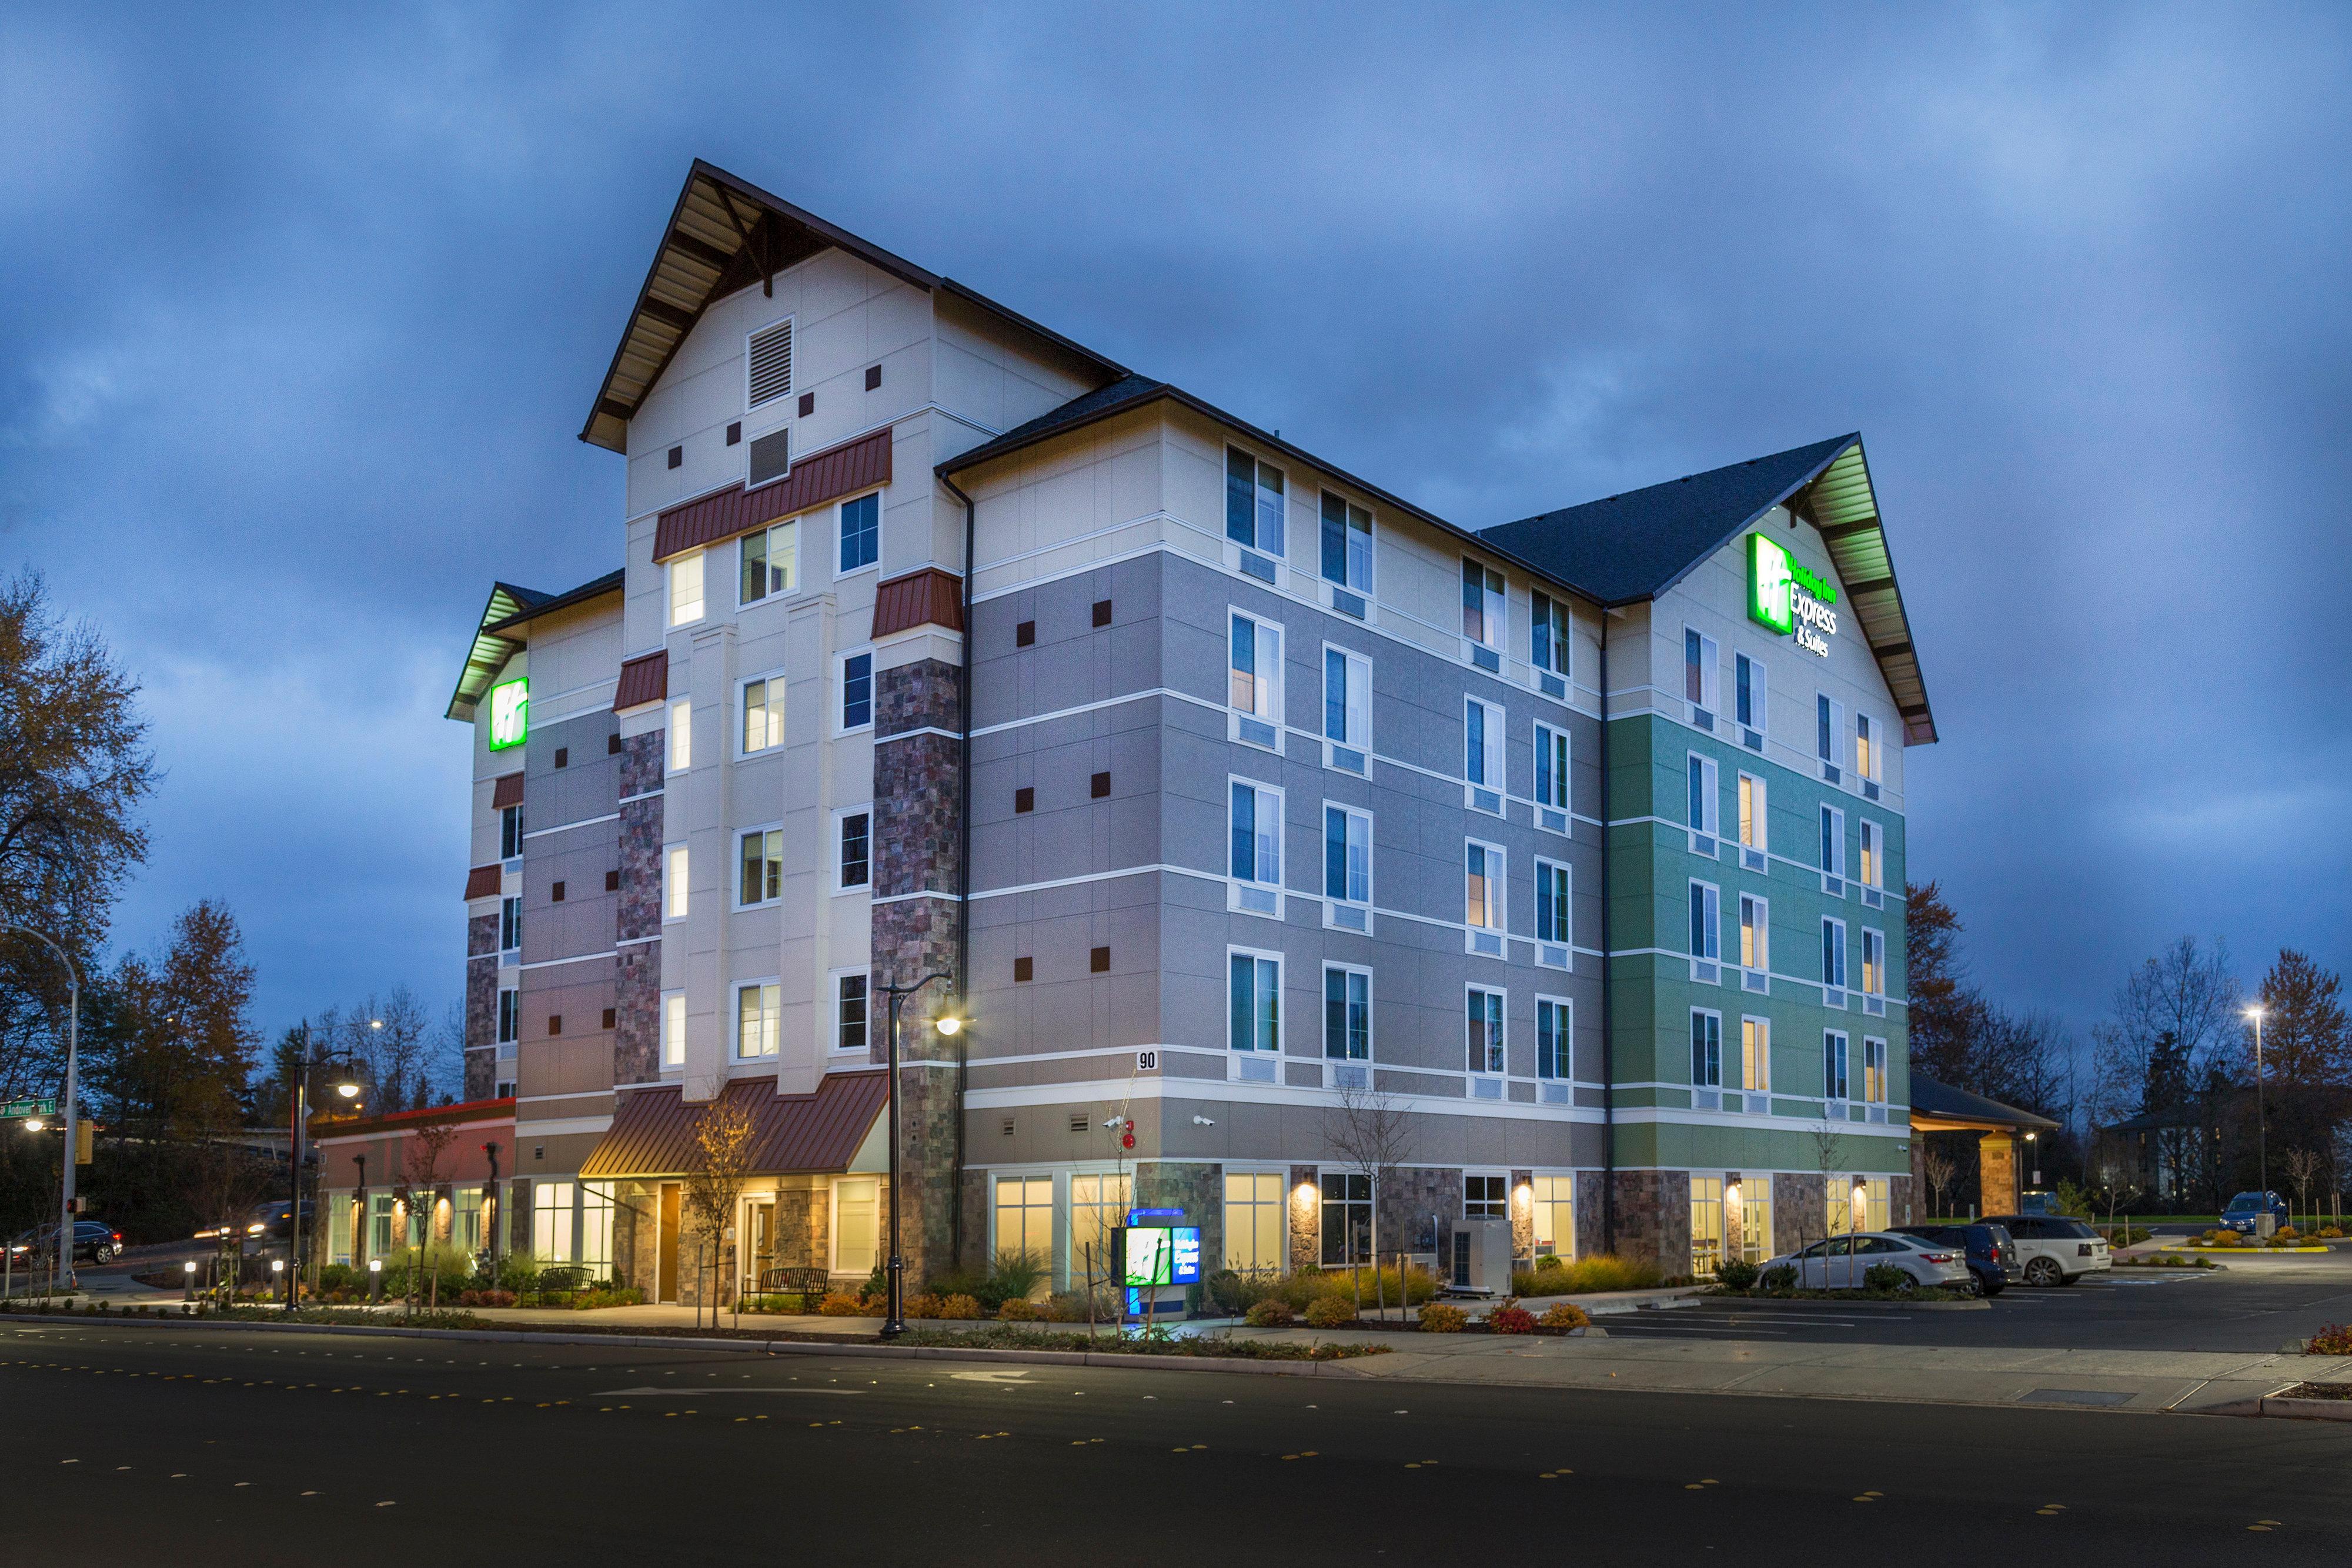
(806, 1284)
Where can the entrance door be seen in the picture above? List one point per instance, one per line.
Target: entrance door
(760, 1244)
(665, 1267)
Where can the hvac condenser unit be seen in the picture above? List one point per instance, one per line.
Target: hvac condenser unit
(1482, 1258)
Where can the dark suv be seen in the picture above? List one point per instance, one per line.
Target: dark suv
(93, 1239)
(1991, 1255)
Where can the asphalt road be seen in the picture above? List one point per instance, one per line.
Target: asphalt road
(135, 1443)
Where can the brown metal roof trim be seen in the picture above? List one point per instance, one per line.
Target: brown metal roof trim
(653, 1132)
(930, 597)
(643, 679)
(508, 792)
(483, 881)
(820, 476)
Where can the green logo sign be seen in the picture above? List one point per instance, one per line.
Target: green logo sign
(510, 713)
(1788, 597)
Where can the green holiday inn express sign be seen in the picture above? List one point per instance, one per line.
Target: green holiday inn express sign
(510, 713)
(1789, 599)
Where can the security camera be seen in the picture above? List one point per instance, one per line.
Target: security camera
(1202, 1122)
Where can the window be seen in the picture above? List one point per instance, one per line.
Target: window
(1555, 1041)
(762, 876)
(1755, 1219)
(339, 1230)
(1706, 796)
(550, 1221)
(1753, 810)
(1833, 842)
(1347, 544)
(1827, 717)
(685, 588)
(379, 1223)
(759, 1012)
(1482, 604)
(674, 883)
(768, 364)
(1347, 708)
(1346, 855)
(770, 562)
(1254, 509)
(1481, 752)
(1098, 1204)
(1482, 1024)
(509, 925)
(595, 1227)
(673, 1028)
(1482, 1197)
(1866, 748)
(763, 715)
(1255, 1021)
(1873, 962)
(855, 837)
(1873, 859)
(1755, 933)
(1749, 692)
(1347, 1219)
(510, 832)
(1553, 921)
(681, 737)
(849, 1001)
(1256, 1236)
(1347, 1014)
(1833, 1080)
(856, 1230)
(1555, 1216)
(1706, 1049)
(1874, 1071)
(1253, 688)
(1548, 635)
(861, 533)
(1833, 953)
(857, 692)
(1483, 894)
(1702, 672)
(509, 1017)
(1705, 921)
(1551, 774)
(1755, 1054)
(1258, 846)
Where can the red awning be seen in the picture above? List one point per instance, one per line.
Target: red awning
(820, 476)
(508, 792)
(928, 596)
(643, 679)
(653, 1131)
(483, 881)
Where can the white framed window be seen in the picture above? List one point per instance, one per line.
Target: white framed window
(767, 363)
(1254, 679)
(595, 1227)
(1347, 854)
(1552, 777)
(1485, 888)
(1833, 849)
(1706, 1048)
(1346, 1219)
(1555, 913)
(854, 679)
(758, 1019)
(1255, 821)
(1347, 541)
(673, 1028)
(861, 533)
(852, 842)
(768, 563)
(509, 833)
(1750, 696)
(681, 737)
(1253, 1001)
(856, 1223)
(1874, 1071)
(1256, 1230)
(1874, 856)
(1486, 1197)
(762, 703)
(1098, 1204)
(1555, 1216)
(509, 1017)
(673, 883)
(1755, 822)
(1347, 1014)
(685, 588)
(1547, 642)
(850, 1002)
(1483, 617)
(1755, 1219)
(509, 925)
(1833, 953)
(1829, 718)
(760, 873)
(1483, 1021)
(1833, 1066)
(1254, 511)
(1555, 1039)
(1703, 786)
(551, 1215)
(1025, 1218)
(1482, 755)
(1346, 710)
(1873, 962)
(1706, 922)
(1755, 933)
(1755, 1055)
(1702, 676)
(1867, 746)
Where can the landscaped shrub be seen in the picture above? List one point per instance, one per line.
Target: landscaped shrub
(1781, 1277)
(1587, 1276)
(340, 1277)
(1736, 1273)
(2283, 1233)
(1234, 1294)
(1439, 1318)
(1274, 1312)
(1330, 1313)
(1888, 1276)
(842, 1304)
(1020, 1310)
(1511, 1317)
(1565, 1315)
(519, 1271)
(2336, 1339)
(1070, 1307)
(959, 1306)
(2330, 1233)
(486, 1298)
(923, 1304)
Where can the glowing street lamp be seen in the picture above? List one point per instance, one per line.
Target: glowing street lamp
(949, 1025)
(2261, 1121)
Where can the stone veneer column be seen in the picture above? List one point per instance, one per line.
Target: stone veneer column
(1302, 1201)
(481, 1006)
(1997, 1187)
(1800, 1210)
(1654, 1218)
(636, 973)
(917, 802)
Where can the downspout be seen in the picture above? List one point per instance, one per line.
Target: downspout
(1608, 1012)
(963, 871)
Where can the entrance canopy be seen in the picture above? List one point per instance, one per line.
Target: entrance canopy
(1941, 1108)
(653, 1133)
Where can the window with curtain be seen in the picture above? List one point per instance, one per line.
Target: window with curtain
(1254, 1229)
(1482, 604)
(1555, 1216)
(1255, 1020)
(1483, 1027)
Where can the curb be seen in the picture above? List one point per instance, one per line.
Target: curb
(2308, 1409)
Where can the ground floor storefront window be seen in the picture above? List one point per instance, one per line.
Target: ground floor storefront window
(1706, 1225)
(550, 1221)
(856, 1224)
(1098, 1204)
(1755, 1219)
(1555, 1216)
(1347, 1219)
(1254, 1244)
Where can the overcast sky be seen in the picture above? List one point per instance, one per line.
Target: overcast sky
(298, 324)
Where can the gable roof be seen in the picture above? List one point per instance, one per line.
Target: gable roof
(726, 234)
(1636, 546)
(498, 635)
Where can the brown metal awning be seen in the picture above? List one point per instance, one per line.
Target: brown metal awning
(483, 881)
(927, 598)
(820, 476)
(653, 1132)
(643, 679)
(506, 792)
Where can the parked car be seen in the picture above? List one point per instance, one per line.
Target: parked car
(1841, 1262)
(93, 1239)
(2054, 1249)
(1989, 1252)
(2248, 1207)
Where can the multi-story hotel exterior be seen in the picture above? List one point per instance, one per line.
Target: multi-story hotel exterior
(1234, 793)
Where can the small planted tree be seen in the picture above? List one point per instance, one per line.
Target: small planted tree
(2303, 1169)
(721, 1161)
(1938, 1167)
(420, 1184)
(1371, 1135)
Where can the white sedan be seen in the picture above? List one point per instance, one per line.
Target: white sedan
(1841, 1262)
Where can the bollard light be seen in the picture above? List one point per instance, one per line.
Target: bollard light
(277, 1265)
(189, 1267)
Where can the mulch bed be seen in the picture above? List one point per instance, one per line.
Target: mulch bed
(2317, 1391)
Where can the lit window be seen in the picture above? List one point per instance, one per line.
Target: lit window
(1873, 962)
(681, 737)
(861, 532)
(1755, 933)
(1865, 747)
(849, 1011)
(685, 588)
(1255, 998)
(1752, 812)
(1483, 886)
(1482, 604)
(857, 691)
(1098, 1204)
(856, 1224)
(759, 1014)
(1874, 1071)
(1255, 669)
(674, 883)
(1256, 1243)
(550, 1221)
(1347, 544)
(1755, 1054)
(1874, 863)
(1706, 1049)
(673, 1029)
(1347, 1014)
(763, 715)
(762, 877)
(1483, 1029)
(1253, 507)
(856, 834)
(1555, 1216)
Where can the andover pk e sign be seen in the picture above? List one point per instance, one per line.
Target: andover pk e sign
(1788, 597)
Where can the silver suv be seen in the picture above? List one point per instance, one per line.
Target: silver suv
(2054, 1249)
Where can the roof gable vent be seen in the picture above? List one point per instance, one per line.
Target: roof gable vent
(771, 363)
(772, 457)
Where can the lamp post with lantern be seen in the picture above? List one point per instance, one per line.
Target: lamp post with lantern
(346, 1085)
(62, 1264)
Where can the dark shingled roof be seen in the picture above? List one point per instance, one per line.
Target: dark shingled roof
(1085, 409)
(498, 635)
(1637, 545)
(1931, 1098)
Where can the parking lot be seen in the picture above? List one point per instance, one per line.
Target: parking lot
(2263, 1305)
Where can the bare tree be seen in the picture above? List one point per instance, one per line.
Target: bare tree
(2303, 1169)
(2187, 992)
(721, 1161)
(1371, 1133)
(1938, 1167)
(1829, 1158)
(419, 1187)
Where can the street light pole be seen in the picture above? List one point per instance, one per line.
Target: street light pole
(894, 1321)
(63, 1259)
(305, 1061)
(2262, 1119)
